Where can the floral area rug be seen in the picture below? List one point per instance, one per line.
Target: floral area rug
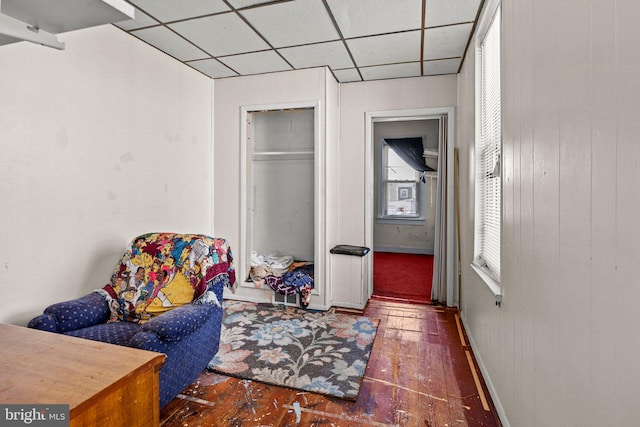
(321, 352)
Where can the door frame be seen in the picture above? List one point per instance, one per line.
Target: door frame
(320, 291)
(370, 186)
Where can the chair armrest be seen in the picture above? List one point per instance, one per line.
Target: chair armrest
(179, 322)
(88, 310)
(44, 322)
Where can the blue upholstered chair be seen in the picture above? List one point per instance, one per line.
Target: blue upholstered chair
(165, 295)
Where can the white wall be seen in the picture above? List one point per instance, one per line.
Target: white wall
(563, 348)
(100, 142)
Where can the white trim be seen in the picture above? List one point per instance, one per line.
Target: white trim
(485, 374)
(408, 115)
(491, 283)
(486, 17)
(485, 20)
(212, 160)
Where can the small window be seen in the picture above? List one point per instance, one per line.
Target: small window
(488, 207)
(400, 182)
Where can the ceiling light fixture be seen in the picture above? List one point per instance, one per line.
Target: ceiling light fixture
(17, 29)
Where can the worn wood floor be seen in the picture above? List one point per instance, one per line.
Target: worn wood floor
(421, 373)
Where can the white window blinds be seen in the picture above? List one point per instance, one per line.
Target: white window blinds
(488, 150)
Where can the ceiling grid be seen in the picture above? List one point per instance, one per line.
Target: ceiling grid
(357, 39)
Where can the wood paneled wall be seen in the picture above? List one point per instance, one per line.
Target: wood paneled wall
(562, 349)
(356, 100)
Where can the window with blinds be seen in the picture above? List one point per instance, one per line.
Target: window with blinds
(488, 152)
(400, 187)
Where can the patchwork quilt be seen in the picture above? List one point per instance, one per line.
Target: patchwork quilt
(160, 271)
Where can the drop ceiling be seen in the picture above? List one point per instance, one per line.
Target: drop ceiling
(357, 39)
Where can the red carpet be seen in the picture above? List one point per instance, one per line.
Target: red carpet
(402, 276)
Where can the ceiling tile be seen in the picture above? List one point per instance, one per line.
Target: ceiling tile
(366, 17)
(441, 66)
(220, 35)
(332, 54)
(212, 68)
(238, 4)
(256, 63)
(140, 21)
(386, 49)
(446, 12)
(446, 42)
(293, 23)
(347, 75)
(169, 42)
(174, 10)
(391, 71)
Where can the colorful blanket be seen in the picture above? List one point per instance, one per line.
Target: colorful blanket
(161, 271)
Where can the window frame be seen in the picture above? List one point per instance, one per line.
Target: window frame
(383, 217)
(490, 274)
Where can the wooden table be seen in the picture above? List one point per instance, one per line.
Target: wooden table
(103, 384)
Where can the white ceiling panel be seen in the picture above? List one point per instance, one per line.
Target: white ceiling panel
(386, 49)
(332, 54)
(220, 35)
(441, 66)
(238, 4)
(347, 75)
(367, 17)
(391, 71)
(446, 12)
(170, 43)
(293, 23)
(212, 68)
(141, 20)
(173, 10)
(256, 63)
(446, 42)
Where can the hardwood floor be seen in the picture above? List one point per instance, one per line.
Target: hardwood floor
(421, 373)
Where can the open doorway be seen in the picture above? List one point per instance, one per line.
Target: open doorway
(443, 285)
(404, 224)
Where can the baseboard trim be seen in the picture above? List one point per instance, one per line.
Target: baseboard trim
(487, 378)
(397, 249)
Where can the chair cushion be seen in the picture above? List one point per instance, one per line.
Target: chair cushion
(160, 271)
(119, 333)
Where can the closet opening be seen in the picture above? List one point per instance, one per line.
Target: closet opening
(280, 203)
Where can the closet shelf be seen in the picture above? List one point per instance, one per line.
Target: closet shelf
(283, 155)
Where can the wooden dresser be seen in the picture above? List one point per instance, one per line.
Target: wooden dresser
(103, 384)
